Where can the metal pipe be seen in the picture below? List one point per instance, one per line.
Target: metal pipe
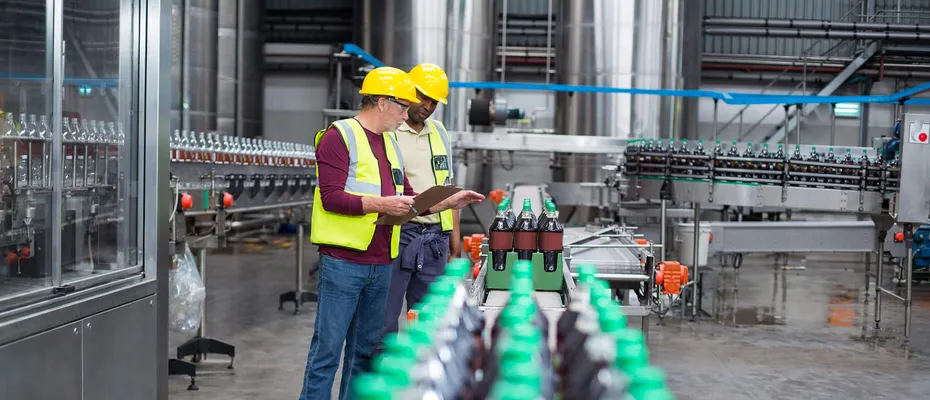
(832, 124)
(202, 266)
(786, 136)
(815, 33)
(617, 277)
(908, 271)
(715, 127)
(548, 62)
(663, 228)
(868, 266)
(504, 41)
(797, 126)
(300, 260)
(892, 294)
(815, 24)
(695, 262)
(250, 209)
(878, 277)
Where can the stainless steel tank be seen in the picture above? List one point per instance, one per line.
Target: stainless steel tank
(194, 71)
(455, 34)
(240, 78)
(616, 44)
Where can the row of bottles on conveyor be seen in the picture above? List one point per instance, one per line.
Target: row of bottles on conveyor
(89, 149)
(439, 354)
(442, 356)
(222, 149)
(766, 166)
(525, 235)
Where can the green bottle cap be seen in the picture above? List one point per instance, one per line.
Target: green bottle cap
(400, 344)
(527, 205)
(395, 369)
(522, 299)
(523, 268)
(586, 273)
(512, 316)
(521, 372)
(442, 287)
(421, 334)
(458, 268)
(646, 379)
(505, 390)
(516, 351)
(371, 387)
(503, 205)
(612, 321)
(656, 394)
(631, 358)
(506, 202)
(521, 285)
(550, 206)
(524, 331)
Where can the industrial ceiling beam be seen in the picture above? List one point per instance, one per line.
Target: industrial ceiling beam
(780, 131)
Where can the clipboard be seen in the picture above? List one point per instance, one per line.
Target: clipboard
(422, 202)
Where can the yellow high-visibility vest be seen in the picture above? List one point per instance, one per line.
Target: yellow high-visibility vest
(364, 179)
(440, 145)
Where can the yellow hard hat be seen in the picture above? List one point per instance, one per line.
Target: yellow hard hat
(389, 81)
(431, 81)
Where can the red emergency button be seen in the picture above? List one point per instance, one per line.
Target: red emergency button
(899, 237)
(922, 137)
(226, 201)
(11, 258)
(25, 252)
(185, 202)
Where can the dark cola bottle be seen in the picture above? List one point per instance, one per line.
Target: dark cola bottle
(500, 236)
(550, 237)
(524, 234)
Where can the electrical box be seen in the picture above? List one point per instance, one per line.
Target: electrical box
(914, 193)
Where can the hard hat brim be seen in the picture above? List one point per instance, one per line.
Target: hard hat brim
(427, 94)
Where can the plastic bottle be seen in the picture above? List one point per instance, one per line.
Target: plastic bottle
(580, 302)
(551, 238)
(524, 236)
(371, 387)
(500, 237)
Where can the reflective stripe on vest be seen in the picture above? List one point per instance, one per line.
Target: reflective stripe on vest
(364, 179)
(441, 148)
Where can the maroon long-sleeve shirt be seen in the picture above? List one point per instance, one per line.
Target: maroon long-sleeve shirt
(332, 160)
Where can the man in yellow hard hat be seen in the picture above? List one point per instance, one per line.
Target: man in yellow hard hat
(361, 177)
(426, 242)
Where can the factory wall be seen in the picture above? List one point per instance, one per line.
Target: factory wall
(293, 105)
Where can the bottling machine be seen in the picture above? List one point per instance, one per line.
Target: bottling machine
(216, 178)
(856, 180)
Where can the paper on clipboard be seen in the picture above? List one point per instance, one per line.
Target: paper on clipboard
(422, 202)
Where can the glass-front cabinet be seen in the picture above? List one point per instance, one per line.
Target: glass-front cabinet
(70, 145)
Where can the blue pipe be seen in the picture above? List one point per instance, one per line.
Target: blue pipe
(727, 97)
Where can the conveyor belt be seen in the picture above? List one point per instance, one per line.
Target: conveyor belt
(608, 260)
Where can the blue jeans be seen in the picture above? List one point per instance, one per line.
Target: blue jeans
(351, 310)
(424, 252)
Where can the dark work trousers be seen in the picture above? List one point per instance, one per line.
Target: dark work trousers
(424, 252)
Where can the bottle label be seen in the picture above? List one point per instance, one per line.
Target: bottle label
(500, 240)
(550, 241)
(524, 240)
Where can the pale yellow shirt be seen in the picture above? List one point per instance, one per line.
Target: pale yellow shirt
(418, 163)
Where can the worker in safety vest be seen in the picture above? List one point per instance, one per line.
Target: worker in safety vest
(361, 177)
(426, 242)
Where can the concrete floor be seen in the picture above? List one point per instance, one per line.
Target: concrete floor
(777, 334)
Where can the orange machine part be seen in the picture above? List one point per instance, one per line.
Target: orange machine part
(186, 201)
(642, 242)
(671, 276)
(475, 270)
(497, 196)
(25, 252)
(11, 258)
(227, 200)
(899, 237)
(474, 248)
(411, 317)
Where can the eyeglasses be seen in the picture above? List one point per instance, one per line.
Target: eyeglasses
(403, 107)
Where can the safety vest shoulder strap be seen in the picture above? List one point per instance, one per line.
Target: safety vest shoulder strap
(438, 129)
(354, 135)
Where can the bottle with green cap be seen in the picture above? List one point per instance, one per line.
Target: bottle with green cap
(471, 319)
(371, 387)
(524, 234)
(500, 236)
(649, 381)
(550, 237)
(579, 302)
